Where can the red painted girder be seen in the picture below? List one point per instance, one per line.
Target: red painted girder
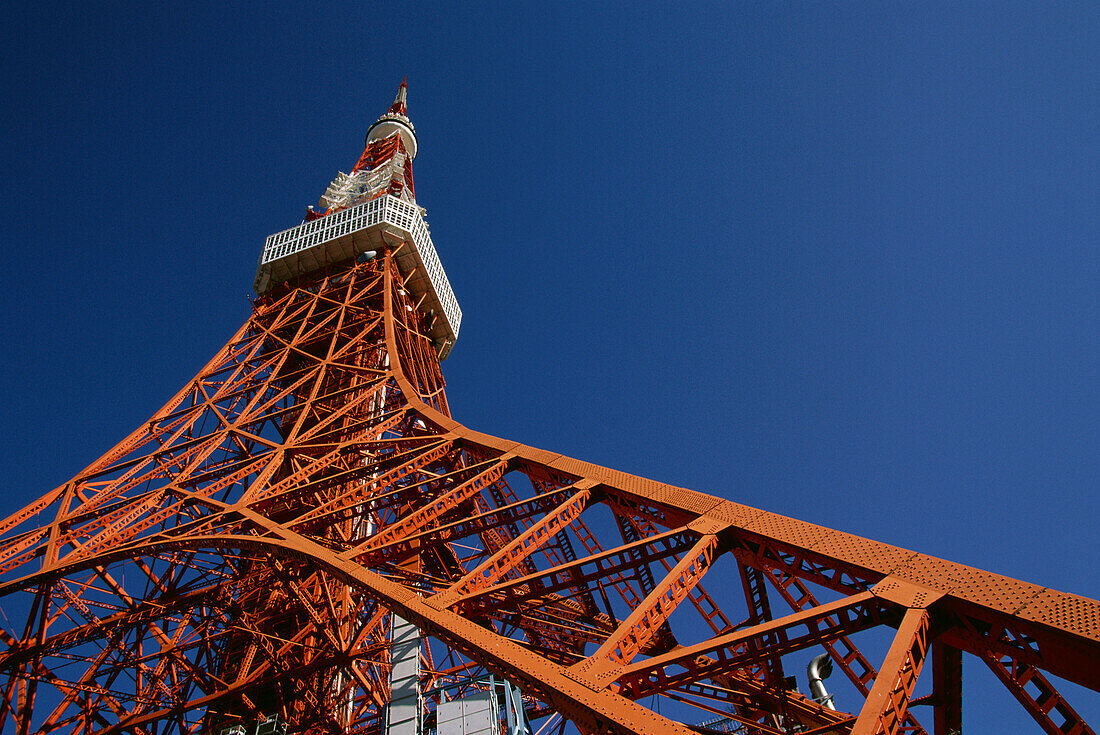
(978, 628)
(598, 710)
(643, 623)
(134, 722)
(737, 649)
(555, 610)
(769, 668)
(600, 566)
(452, 499)
(294, 485)
(72, 691)
(946, 695)
(843, 652)
(740, 691)
(800, 563)
(356, 493)
(495, 567)
(327, 628)
(983, 632)
(884, 710)
(1022, 679)
(708, 609)
(107, 627)
(490, 519)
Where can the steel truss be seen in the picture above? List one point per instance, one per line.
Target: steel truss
(240, 554)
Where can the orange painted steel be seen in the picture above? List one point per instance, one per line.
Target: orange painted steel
(239, 554)
(886, 706)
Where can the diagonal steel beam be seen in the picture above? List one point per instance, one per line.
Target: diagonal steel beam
(1038, 695)
(726, 654)
(884, 710)
(610, 564)
(642, 624)
(513, 554)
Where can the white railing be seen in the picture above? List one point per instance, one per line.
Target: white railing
(385, 209)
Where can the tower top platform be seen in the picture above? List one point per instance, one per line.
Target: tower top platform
(371, 208)
(384, 221)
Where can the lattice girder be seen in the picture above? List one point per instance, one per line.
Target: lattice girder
(241, 552)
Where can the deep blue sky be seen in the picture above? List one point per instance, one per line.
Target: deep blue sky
(837, 261)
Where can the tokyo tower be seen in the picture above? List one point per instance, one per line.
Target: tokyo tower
(303, 540)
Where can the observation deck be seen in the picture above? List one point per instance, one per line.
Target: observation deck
(372, 225)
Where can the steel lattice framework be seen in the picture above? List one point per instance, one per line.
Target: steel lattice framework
(242, 553)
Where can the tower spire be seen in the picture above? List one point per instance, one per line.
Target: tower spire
(384, 167)
(398, 107)
(396, 120)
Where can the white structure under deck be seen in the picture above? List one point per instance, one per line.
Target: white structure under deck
(405, 711)
(372, 225)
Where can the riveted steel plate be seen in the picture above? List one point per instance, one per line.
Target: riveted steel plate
(862, 552)
(973, 585)
(1062, 610)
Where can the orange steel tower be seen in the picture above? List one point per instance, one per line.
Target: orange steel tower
(303, 540)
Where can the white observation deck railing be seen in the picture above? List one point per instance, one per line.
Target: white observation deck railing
(385, 220)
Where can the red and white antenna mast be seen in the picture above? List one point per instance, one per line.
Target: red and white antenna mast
(385, 166)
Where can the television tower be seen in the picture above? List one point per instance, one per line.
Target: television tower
(303, 540)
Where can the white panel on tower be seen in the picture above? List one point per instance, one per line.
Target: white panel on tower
(403, 711)
(472, 715)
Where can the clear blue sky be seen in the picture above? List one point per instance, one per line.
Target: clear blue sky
(839, 261)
